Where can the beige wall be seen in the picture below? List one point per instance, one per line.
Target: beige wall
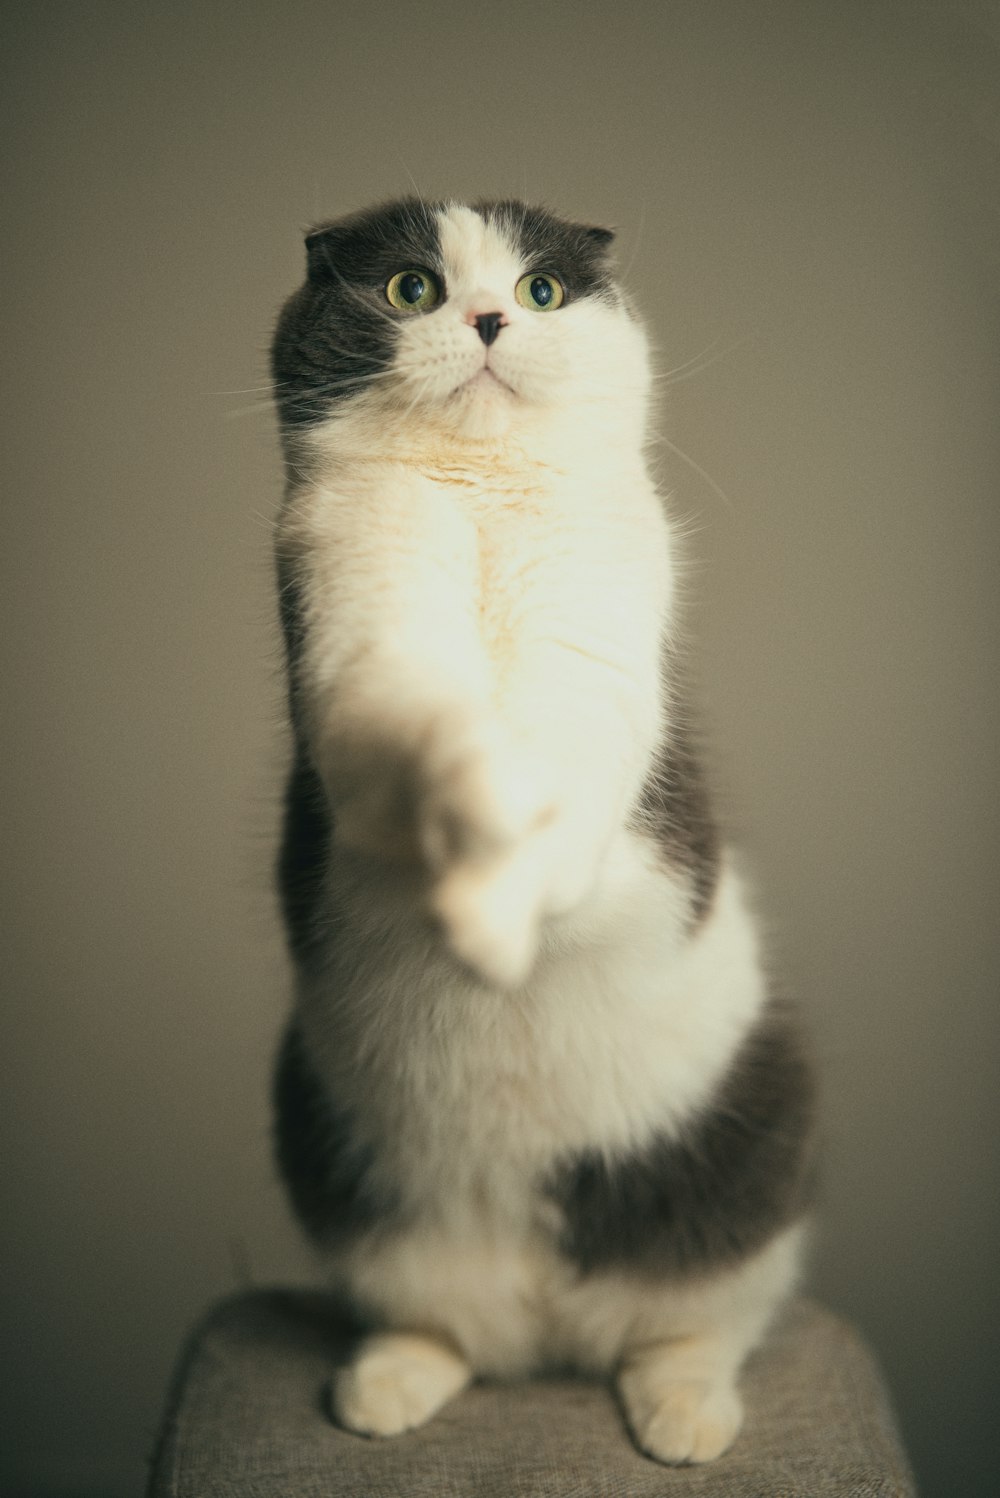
(807, 196)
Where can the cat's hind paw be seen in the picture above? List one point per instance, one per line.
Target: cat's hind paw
(396, 1382)
(681, 1421)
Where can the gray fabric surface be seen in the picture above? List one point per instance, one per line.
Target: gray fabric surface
(249, 1416)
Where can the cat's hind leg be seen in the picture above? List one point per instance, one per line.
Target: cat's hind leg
(678, 1385)
(681, 1400)
(396, 1381)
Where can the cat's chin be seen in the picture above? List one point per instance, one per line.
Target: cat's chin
(486, 382)
(481, 407)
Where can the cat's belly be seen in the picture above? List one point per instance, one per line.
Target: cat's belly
(515, 1306)
(470, 1099)
(624, 1029)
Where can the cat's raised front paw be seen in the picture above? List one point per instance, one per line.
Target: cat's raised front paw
(485, 821)
(396, 1382)
(491, 915)
(482, 794)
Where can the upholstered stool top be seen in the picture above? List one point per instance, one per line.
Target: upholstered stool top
(249, 1417)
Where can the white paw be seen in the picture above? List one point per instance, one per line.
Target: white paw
(681, 1421)
(395, 1383)
(486, 828)
(491, 912)
(482, 795)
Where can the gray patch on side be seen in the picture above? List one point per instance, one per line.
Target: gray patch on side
(674, 810)
(741, 1172)
(328, 1174)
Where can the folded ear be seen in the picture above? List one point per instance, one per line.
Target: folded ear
(321, 252)
(603, 237)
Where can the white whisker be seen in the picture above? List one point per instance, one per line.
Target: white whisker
(695, 468)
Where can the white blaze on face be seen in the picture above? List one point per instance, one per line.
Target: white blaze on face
(481, 265)
(444, 364)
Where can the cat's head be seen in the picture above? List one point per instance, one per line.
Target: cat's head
(468, 320)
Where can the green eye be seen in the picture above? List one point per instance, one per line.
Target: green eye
(540, 293)
(413, 290)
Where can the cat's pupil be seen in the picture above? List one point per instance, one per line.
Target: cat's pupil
(541, 291)
(411, 287)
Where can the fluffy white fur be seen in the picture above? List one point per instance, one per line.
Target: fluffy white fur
(486, 575)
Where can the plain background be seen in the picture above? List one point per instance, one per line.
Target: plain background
(807, 204)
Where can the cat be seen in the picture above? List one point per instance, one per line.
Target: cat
(535, 1102)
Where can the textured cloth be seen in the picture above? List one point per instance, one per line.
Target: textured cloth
(249, 1417)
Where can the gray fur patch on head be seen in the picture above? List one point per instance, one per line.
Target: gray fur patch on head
(336, 333)
(578, 253)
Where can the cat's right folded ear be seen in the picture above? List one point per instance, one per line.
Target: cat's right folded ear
(321, 246)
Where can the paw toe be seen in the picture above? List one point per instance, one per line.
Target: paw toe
(394, 1387)
(689, 1424)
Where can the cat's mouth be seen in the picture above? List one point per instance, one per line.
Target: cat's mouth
(485, 380)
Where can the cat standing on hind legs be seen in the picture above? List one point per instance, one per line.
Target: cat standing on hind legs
(534, 1102)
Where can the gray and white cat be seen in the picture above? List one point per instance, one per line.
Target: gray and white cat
(534, 1102)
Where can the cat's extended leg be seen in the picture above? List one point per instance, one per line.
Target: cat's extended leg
(680, 1398)
(486, 819)
(679, 1385)
(397, 1380)
(502, 765)
(508, 839)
